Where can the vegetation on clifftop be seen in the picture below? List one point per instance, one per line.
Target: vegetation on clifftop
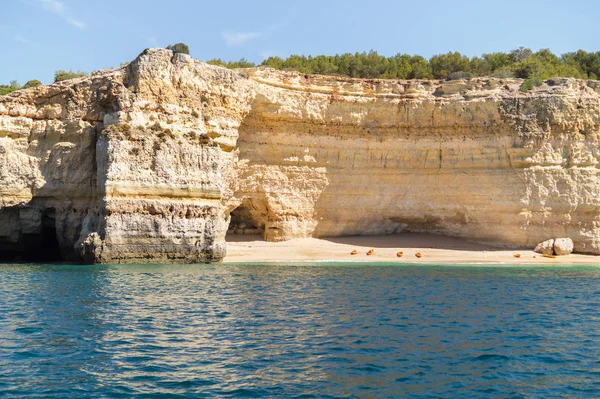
(180, 48)
(520, 63)
(14, 85)
(59, 75)
(523, 63)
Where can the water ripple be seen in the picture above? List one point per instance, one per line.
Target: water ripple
(298, 331)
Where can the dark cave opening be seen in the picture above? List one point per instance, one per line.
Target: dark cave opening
(50, 248)
(246, 220)
(42, 247)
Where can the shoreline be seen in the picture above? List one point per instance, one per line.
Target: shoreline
(435, 249)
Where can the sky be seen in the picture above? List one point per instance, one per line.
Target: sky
(38, 37)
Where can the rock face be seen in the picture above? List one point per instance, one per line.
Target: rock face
(478, 159)
(155, 161)
(126, 165)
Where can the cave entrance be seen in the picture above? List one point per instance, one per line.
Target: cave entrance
(50, 248)
(246, 220)
(42, 246)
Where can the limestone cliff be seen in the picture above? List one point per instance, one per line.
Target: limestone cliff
(126, 165)
(155, 161)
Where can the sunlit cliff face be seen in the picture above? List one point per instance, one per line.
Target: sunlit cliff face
(153, 161)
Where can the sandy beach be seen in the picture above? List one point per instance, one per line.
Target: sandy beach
(434, 249)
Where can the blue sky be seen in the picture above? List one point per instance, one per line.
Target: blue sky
(38, 37)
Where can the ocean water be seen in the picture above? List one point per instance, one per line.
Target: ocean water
(305, 331)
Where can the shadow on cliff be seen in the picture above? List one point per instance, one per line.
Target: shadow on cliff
(413, 240)
(398, 241)
(35, 243)
(46, 227)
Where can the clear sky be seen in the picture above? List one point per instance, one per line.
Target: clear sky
(38, 37)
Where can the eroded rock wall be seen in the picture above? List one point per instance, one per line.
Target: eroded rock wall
(126, 165)
(164, 158)
(47, 165)
(475, 159)
(150, 162)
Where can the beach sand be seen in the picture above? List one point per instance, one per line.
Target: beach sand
(434, 249)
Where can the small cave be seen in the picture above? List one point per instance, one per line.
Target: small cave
(50, 248)
(42, 247)
(246, 220)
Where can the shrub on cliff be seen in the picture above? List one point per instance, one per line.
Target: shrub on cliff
(180, 48)
(531, 82)
(6, 89)
(217, 62)
(460, 75)
(61, 75)
(242, 63)
(31, 83)
(503, 74)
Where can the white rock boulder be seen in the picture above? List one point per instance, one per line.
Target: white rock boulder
(563, 246)
(545, 247)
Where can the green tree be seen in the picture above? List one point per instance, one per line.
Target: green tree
(520, 54)
(497, 61)
(444, 64)
(344, 63)
(180, 48)
(587, 62)
(273, 62)
(421, 69)
(323, 65)
(373, 65)
(479, 67)
(297, 63)
(400, 67)
(544, 65)
(521, 62)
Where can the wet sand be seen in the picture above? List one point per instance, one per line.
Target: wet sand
(434, 249)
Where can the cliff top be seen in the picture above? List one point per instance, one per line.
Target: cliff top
(471, 88)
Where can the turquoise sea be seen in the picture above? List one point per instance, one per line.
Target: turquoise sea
(299, 331)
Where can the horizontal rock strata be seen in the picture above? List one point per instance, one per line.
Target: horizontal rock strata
(478, 159)
(157, 160)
